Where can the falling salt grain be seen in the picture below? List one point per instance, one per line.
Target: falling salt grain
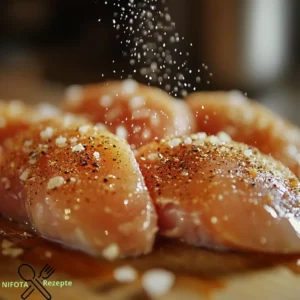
(158, 282)
(125, 274)
(55, 182)
(111, 252)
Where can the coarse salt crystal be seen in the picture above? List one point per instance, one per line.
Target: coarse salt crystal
(158, 282)
(106, 101)
(28, 143)
(55, 182)
(61, 142)
(248, 152)
(129, 86)
(111, 252)
(152, 156)
(47, 133)
(121, 132)
(213, 139)
(125, 274)
(224, 137)
(199, 135)
(16, 107)
(214, 220)
(174, 142)
(188, 141)
(236, 97)
(136, 102)
(100, 126)
(73, 140)
(96, 155)
(84, 129)
(25, 175)
(74, 93)
(78, 148)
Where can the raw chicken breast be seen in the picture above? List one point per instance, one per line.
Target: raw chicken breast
(133, 111)
(78, 185)
(212, 192)
(247, 122)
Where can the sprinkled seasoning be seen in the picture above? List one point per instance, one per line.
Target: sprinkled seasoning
(154, 48)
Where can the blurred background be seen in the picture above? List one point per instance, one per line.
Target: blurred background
(250, 45)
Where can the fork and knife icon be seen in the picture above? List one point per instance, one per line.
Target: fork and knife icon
(27, 273)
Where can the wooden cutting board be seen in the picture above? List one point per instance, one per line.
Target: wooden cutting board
(200, 274)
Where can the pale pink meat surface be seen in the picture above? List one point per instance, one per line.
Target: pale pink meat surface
(133, 111)
(212, 192)
(79, 186)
